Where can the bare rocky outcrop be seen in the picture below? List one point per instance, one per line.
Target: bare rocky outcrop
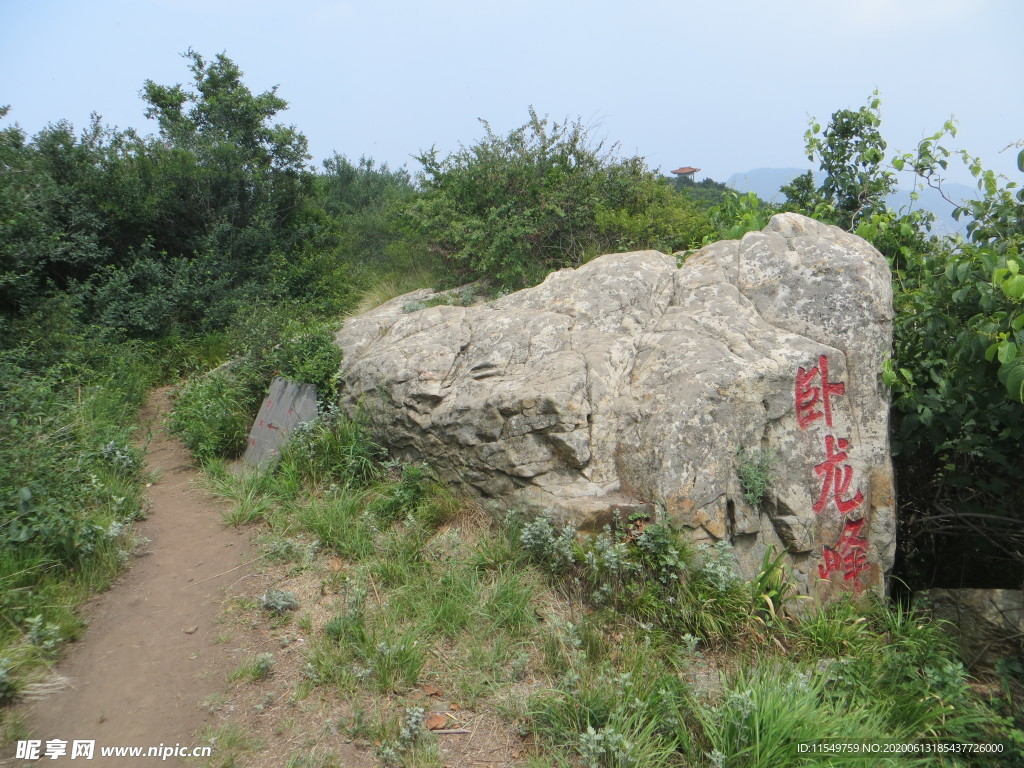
(631, 384)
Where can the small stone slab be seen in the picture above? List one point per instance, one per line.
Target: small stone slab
(286, 406)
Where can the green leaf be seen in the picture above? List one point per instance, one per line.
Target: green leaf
(1020, 161)
(1013, 287)
(1017, 323)
(1015, 378)
(962, 271)
(1007, 351)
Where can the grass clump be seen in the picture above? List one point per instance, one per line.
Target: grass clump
(765, 712)
(254, 670)
(626, 714)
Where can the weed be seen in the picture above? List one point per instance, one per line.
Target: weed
(213, 703)
(228, 741)
(462, 297)
(718, 569)
(259, 668)
(765, 713)
(411, 731)
(333, 450)
(772, 588)
(552, 550)
(212, 415)
(833, 631)
(42, 634)
(398, 500)
(279, 602)
(314, 759)
(394, 661)
(627, 741)
(755, 471)
(627, 716)
(509, 605)
(341, 524)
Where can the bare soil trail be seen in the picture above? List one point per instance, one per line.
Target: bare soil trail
(153, 648)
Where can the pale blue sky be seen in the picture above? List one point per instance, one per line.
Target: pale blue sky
(724, 85)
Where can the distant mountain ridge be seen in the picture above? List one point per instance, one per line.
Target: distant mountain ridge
(766, 182)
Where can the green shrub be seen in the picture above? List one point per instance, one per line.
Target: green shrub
(513, 208)
(212, 415)
(70, 485)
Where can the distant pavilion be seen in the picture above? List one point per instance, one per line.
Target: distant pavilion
(685, 173)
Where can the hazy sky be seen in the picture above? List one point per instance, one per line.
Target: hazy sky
(724, 85)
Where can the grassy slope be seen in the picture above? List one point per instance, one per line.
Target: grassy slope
(590, 652)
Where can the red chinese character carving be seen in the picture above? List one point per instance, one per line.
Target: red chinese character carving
(849, 556)
(836, 477)
(252, 442)
(268, 403)
(291, 411)
(807, 395)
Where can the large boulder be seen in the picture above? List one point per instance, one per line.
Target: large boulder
(633, 385)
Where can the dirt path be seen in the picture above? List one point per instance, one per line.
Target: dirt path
(151, 653)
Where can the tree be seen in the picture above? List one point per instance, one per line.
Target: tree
(235, 181)
(850, 152)
(51, 228)
(207, 206)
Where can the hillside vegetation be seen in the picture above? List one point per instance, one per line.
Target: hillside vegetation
(129, 260)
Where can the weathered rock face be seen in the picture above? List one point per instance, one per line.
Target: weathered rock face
(631, 384)
(988, 624)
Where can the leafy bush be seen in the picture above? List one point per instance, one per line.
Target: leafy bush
(512, 208)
